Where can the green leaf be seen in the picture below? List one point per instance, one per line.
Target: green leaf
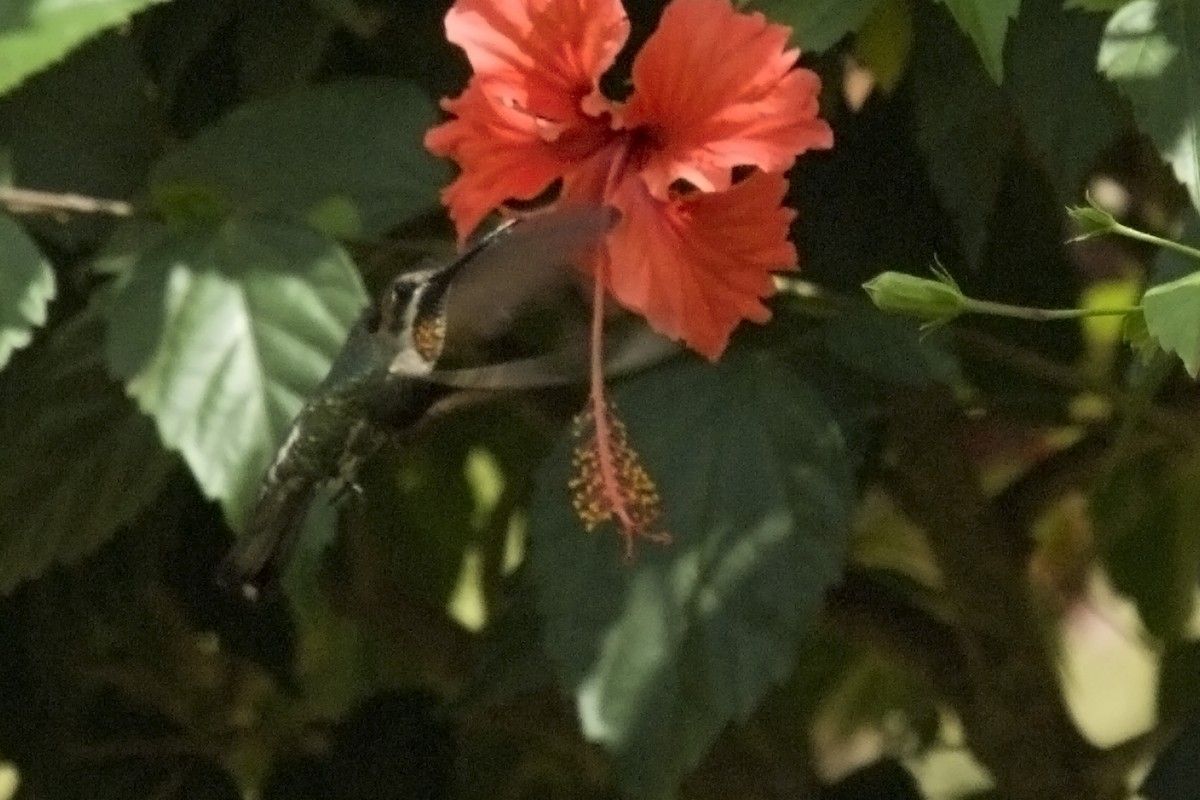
(1172, 313)
(1151, 50)
(36, 33)
(1136, 334)
(884, 41)
(757, 491)
(1052, 55)
(986, 22)
(1147, 518)
(221, 334)
(68, 135)
(817, 24)
(26, 287)
(348, 156)
(963, 126)
(1100, 6)
(77, 460)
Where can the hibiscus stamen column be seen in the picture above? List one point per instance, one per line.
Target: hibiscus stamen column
(610, 480)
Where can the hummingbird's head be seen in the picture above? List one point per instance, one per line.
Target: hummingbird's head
(477, 295)
(412, 316)
(412, 312)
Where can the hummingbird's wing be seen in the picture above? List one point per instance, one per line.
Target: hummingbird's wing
(517, 310)
(527, 264)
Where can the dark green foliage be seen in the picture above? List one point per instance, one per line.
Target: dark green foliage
(450, 631)
(1175, 774)
(883, 780)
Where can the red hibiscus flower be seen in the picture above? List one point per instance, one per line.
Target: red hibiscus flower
(714, 90)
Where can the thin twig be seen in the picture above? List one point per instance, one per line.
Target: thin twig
(33, 201)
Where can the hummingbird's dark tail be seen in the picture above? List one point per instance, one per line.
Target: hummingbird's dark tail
(257, 561)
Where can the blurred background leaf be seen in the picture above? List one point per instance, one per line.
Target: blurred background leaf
(1150, 50)
(1177, 768)
(65, 136)
(26, 288)
(817, 24)
(347, 157)
(1146, 519)
(36, 33)
(986, 22)
(1051, 55)
(77, 460)
(962, 127)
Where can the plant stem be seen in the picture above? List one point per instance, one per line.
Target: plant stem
(1142, 236)
(1043, 314)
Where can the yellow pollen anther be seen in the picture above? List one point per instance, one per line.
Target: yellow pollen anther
(626, 494)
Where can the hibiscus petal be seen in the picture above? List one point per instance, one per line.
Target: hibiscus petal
(715, 89)
(501, 154)
(697, 265)
(544, 56)
(532, 108)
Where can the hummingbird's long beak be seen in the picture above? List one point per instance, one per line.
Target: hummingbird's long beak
(432, 304)
(442, 279)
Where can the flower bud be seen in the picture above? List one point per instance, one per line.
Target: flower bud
(1091, 220)
(936, 301)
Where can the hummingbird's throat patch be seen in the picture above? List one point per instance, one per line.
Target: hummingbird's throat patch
(429, 334)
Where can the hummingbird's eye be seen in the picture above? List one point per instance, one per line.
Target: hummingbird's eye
(395, 304)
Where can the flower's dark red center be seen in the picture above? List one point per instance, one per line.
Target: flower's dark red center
(641, 143)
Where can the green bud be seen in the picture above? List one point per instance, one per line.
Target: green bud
(1091, 220)
(936, 301)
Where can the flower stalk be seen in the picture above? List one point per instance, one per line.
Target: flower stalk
(1095, 220)
(939, 300)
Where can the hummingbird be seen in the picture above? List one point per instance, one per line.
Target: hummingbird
(403, 360)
